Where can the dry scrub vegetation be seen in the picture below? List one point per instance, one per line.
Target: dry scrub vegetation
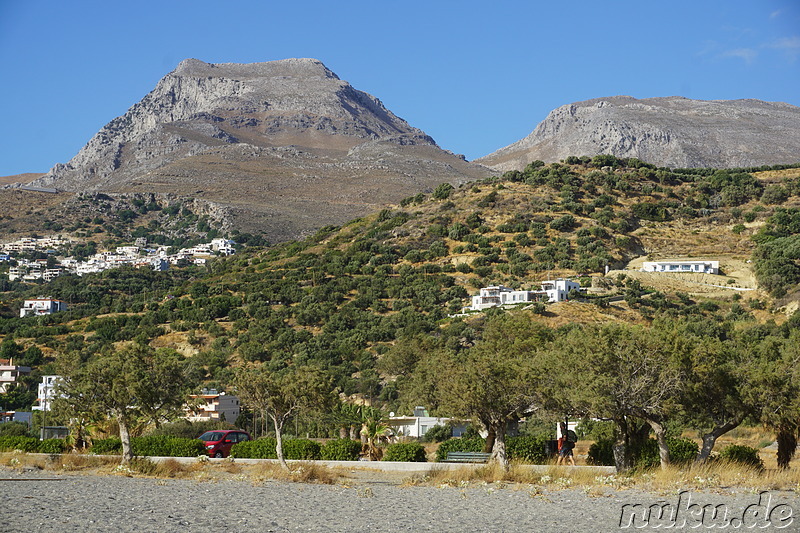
(715, 476)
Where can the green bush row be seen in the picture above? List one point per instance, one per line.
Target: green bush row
(152, 446)
(298, 449)
(32, 444)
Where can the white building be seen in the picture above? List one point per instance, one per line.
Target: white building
(700, 266)
(550, 291)
(130, 251)
(9, 373)
(46, 392)
(41, 306)
(223, 246)
(419, 424)
(558, 290)
(213, 405)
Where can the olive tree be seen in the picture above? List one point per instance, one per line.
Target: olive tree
(283, 394)
(134, 385)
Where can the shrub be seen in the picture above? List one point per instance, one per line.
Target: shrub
(601, 453)
(438, 433)
(341, 450)
(408, 452)
(255, 449)
(743, 455)
(528, 448)
(52, 446)
(13, 429)
(680, 451)
(26, 444)
(462, 444)
(111, 446)
(297, 449)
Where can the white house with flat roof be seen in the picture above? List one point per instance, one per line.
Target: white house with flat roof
(41, 306)
(419, 424)
(550, 291)
(697, 266)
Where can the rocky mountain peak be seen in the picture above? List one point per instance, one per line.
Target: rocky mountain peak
(671, 131)
(278, 137)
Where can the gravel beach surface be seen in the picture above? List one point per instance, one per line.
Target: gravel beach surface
(41, 501)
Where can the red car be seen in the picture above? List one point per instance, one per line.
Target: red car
(219, 442)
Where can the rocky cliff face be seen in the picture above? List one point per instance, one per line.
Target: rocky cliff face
(286, 143)
(674, 132)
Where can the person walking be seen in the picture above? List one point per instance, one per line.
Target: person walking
(566, 443)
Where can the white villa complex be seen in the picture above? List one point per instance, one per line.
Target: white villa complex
(700, 266)
(550, 291)
(41, 306)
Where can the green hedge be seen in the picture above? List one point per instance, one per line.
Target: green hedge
(297, 449)
(263, 448)
(528, 448)
(26, 444)
(409, 452)
(152, 446)
(53, 446)
(110, 446)
(32, 444)
(459, 445)
(156, 446)
(341, 450)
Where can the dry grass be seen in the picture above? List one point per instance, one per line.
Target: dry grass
(719, 475)
(298, 473)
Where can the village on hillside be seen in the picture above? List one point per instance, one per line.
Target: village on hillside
(137, 255)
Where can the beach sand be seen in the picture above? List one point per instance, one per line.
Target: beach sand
(43, 501)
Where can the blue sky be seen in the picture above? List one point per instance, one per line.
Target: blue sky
(474, 75)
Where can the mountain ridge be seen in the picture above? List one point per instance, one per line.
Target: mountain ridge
(671, 131)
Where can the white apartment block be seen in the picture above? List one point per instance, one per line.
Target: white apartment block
(46, 392)
(700, 266)
(213, 405)
(9, 373)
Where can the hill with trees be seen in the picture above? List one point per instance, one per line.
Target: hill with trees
(375, 305)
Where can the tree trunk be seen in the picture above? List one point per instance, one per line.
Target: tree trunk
(343, 432)
(627, 438)
(661, 437)
(279, 443)
(353, 433)
(787, 445)
(488, 446)
(125, 438)
(499, 445)
(710, 438)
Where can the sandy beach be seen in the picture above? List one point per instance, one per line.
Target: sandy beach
(51, 502)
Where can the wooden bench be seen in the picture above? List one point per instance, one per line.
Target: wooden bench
(467, 457)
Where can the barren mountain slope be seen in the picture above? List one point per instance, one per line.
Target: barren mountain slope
(287, 143)
(674, 132)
